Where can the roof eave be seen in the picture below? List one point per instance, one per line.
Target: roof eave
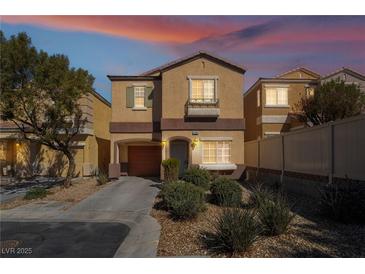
(132, 78)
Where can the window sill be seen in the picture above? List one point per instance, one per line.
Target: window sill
(139, 108)
(277, 106)
(218, 166)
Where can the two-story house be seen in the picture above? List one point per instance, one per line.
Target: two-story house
(91, 147)
(190, 109)
(271, 104)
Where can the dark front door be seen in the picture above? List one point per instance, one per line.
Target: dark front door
(179, 150)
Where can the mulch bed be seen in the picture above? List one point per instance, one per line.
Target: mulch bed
(310, 235)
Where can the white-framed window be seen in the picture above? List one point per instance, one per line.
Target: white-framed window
(139, 97)
(216, 152)
(276, 96)
(258, 98)
(203, 90)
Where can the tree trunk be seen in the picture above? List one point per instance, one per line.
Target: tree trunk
(71, 168)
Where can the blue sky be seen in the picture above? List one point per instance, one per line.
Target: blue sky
(265, 45)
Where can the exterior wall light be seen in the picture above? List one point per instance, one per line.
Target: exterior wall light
(195, 143)
(163, 143)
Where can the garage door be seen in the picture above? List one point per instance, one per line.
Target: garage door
(144, 160)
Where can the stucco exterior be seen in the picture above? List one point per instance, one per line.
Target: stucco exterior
(263, 119)
(91, 147)
(168, 119)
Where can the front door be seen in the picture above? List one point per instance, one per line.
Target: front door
(179, 150)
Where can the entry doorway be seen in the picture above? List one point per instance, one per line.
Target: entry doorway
(179, 149)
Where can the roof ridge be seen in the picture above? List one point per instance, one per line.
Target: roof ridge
(299, 68)
(193, 55)
(342, 69)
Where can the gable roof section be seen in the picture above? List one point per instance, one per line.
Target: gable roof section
(101, 98)
(192, 57)
(305, 70)
(346, 70)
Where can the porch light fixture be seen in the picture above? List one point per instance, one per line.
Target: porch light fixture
(163, 143)
(195, 143)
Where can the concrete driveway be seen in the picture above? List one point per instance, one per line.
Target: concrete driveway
(126, 201)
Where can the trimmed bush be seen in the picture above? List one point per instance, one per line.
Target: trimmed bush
(343, 202)
(171, 169)
(36, 193)
(226, 192)
(235, 230)
(183, 200)
(102, 178)
(274, 215)
(197, 176)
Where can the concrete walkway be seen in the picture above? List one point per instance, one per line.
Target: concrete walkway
(128, 200)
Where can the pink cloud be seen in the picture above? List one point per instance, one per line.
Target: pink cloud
(178, 29)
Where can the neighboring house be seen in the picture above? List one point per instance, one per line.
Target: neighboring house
(271, 104)
(91, 148)
(190, 109)
(348, 75)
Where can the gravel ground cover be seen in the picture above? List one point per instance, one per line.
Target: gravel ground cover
(80, 189)
(310, 235)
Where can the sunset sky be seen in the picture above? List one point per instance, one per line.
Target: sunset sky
(265, 45)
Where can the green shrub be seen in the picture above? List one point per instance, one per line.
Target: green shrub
(36, 193)
(235, 230)
(171, 169)
(274, 215)
(102, 178)
(343, 202)
(226, 192)
(197, 176)
(259, 195)
(183, 200)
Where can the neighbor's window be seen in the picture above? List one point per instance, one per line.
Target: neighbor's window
(276, 96)
(202, 91)
(309, 91)
(215, 152)
(258, 97)
(139, 97)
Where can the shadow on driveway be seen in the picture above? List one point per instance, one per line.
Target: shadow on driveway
(61, 239)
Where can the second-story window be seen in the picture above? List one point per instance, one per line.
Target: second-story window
(139, 97)
(276, 96)
(203, 91)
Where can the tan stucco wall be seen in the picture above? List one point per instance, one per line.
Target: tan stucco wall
(51, 162)
(252, 111)
(120, 112)
(96, 152)
(274, 128)
(175, 88)
(92, 152)
(237, 146)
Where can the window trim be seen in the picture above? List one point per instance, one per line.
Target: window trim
(216, 152)
(276, 89)
(140, 107)
(203, 77)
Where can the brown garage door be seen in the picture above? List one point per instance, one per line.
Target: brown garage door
(144, 160)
